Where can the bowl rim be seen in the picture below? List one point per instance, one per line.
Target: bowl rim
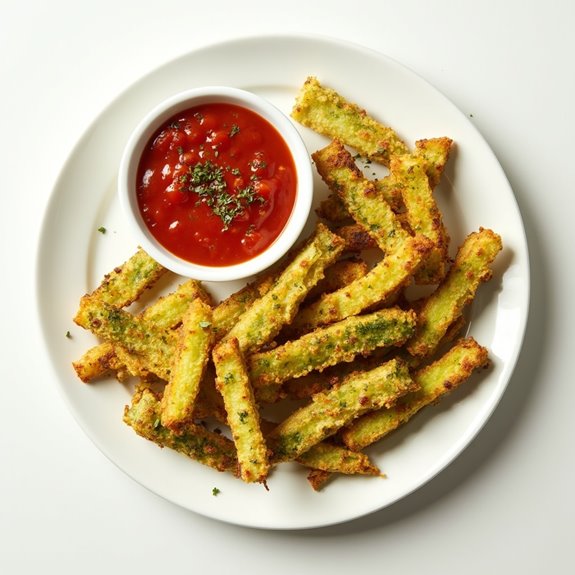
(182, 101)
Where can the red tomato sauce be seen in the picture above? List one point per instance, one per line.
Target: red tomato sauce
(216, 184)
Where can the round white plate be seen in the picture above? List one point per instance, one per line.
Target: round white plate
(74, 255)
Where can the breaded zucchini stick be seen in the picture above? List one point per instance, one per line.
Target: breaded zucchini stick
(243, 417)
(329, 113)
(383, 280)
(337, 343)
(447, 302)
(434, 381)
(331, 410)
(126, 283)
(434, 152)
(153, 347)
(325, 111)
(197, 442)
(373, 213)
(332, 458)
(423, 215)
(164, 313)
(264, 319)
(191, 355)
(97, 361)
(367, 207)
(227, 312)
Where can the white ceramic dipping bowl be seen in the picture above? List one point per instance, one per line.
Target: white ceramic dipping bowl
(127, 182)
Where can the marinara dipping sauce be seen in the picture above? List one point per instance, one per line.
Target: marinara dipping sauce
(216, 184)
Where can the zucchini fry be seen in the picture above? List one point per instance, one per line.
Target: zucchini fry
(227, 312)
(331, 410)
(337, 343)
(233, 383)
(143, 415)
(434, 381)
(434, 152)
(97, 361)
(332, 458)
(191, 355)
(325, 111)
(423, 215)
(165, 313)
(264, 319)
(153, 347)
(446, 303)
(329, 113)
(126, 283)
(392, 273)
(360, 195)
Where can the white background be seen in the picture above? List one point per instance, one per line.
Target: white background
(506, 505)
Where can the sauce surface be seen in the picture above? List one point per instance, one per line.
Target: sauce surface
(216, 184)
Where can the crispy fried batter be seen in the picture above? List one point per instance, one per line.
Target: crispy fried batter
(331, 410)
(243, 417)
(434, 381)
(165, 313)
(188, 366)
(356, 238)
(264, 319)
(324, 110)
(446, 303)
(126, 283)
(423, 215)
(195, 441)
(367, 206)
(382, 281)
(337, 343)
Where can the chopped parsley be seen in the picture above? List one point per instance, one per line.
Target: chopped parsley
(68, 334)
(243, 415)
(207, 180)
(215, 491)
(102, 229)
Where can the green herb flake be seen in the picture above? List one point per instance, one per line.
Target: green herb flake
(234, 130)
(215, 491)
(207, 180)
(243, 415)
(102, 229)
(68, 335)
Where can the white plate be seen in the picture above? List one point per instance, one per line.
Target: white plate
(73, 256)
